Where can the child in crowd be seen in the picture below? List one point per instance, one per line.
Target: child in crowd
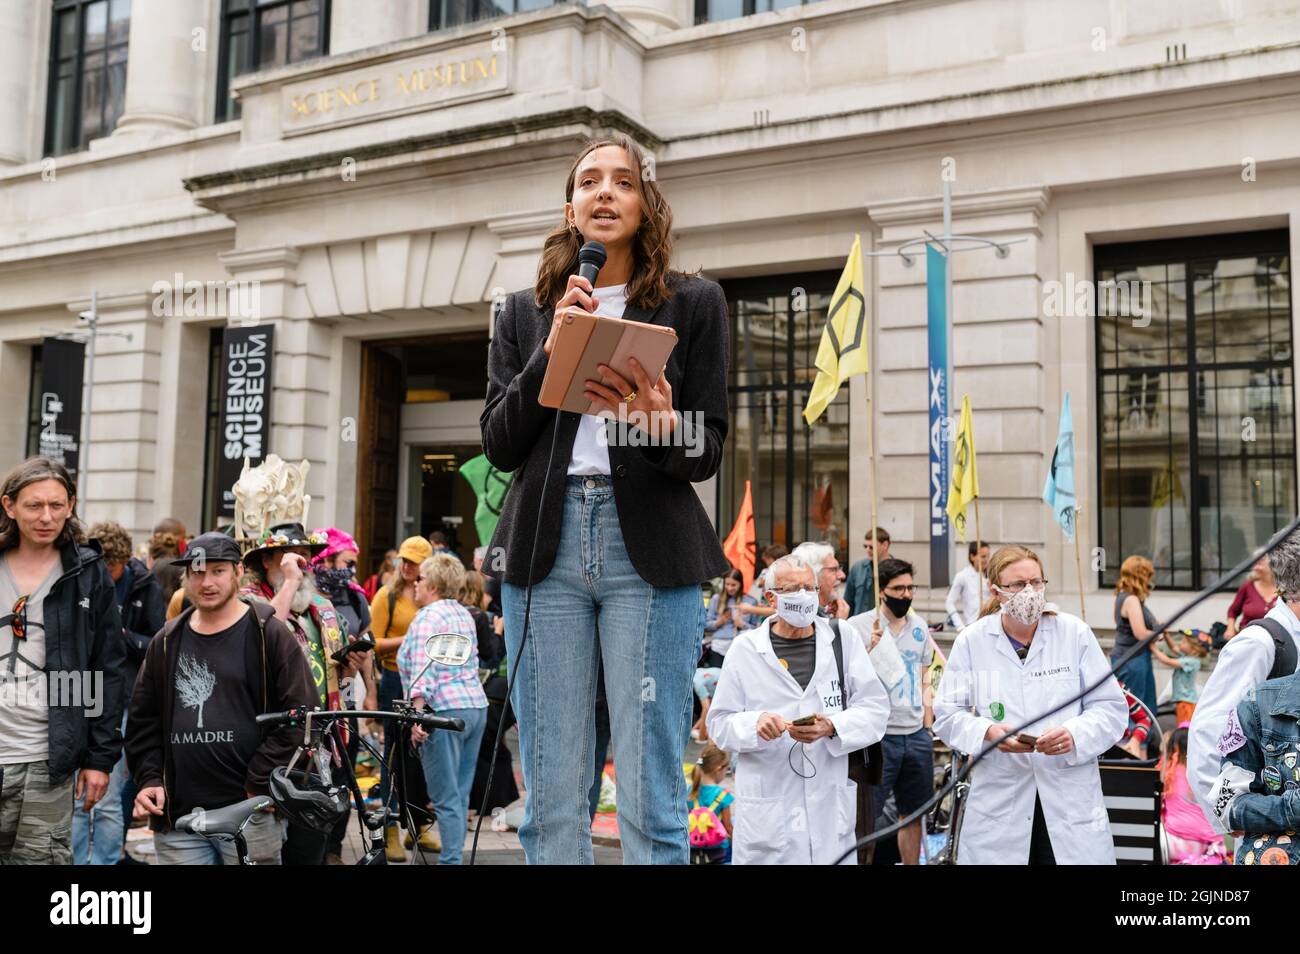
(1191, 839)
(1139, 726)
(1190, 652)
(709, 821)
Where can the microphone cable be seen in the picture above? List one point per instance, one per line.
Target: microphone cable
(1139, 647)
(523, 641)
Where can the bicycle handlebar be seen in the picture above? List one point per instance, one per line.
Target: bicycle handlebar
(298, 716)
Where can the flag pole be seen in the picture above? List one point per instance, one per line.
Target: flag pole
(1078, 564)
(871, 455)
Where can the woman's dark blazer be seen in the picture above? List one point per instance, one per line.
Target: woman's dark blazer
(667, 534)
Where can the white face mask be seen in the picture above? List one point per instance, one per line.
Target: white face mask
(1026, 606)
(799, 609)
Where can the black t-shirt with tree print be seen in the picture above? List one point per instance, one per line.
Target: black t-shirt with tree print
(214, 733)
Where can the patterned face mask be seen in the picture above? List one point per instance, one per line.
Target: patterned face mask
(334, 579)
(1026, 606)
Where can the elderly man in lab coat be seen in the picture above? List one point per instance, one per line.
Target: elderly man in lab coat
(794, 801)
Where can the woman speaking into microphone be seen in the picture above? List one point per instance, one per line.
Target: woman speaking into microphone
(604, 524)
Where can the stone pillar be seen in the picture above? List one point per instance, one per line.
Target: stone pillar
(357, 24)
(21, 69)
(653, 17)
(998, 357)
(301, 427)
(122, 434)
(519, 251)
(164, 71)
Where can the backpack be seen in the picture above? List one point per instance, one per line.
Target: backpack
(705, 824)
(1284, 651)
(865, 765)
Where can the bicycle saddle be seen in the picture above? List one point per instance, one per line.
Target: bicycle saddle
(221, 821)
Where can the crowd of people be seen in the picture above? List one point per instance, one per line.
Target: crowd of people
(132, 679)
(817, 710)
(782, 693)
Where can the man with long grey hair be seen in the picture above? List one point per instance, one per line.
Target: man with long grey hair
(1266, 649)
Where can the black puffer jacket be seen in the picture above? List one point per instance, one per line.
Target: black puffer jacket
(83, 634)
(143, 614)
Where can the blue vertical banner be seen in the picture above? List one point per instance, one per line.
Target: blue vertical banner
(936, 294)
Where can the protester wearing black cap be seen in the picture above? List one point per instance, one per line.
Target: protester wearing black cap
(192, 737)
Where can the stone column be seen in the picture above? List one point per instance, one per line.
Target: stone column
(357, 24)
(122, 430)
(998, 357)
(21, 69)
(164, 71)
(652, 17)
(300, 400)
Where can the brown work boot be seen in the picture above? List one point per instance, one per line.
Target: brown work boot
(430, 840)
(393, 846)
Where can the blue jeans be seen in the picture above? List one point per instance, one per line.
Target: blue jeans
(649, 641)
(109, 820)
(390, 688)
(449, 760)
(264, 837)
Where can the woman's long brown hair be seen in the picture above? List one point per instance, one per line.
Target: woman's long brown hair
(1013, 553)
(652, 248)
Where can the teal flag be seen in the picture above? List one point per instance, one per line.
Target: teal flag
(1058, 492)
(490, 485)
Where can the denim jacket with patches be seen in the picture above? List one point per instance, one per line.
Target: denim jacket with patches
(1258, 791)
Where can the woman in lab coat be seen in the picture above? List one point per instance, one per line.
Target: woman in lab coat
(794, 801)
(1038, 803)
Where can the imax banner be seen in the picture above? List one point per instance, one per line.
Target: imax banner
(937, 325)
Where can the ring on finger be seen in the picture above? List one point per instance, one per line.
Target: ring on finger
(630, 396)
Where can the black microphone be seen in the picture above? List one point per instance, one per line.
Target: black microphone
(590, 261)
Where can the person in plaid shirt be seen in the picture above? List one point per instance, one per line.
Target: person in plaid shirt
(449, 758)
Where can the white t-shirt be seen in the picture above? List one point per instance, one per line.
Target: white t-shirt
(590, 453)
(25, 713)
(904, 658)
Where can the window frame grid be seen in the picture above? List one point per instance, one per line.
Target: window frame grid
(1190, 253)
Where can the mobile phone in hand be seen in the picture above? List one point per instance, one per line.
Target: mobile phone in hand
(1027, 739)
(805, 720)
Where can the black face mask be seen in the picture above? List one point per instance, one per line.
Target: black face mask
(898, 605)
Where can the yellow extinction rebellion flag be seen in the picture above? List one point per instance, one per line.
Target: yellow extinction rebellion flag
(965, 484)
(843, 349)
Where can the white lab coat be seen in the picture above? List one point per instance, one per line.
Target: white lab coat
(1244, 662)
(781, 818)
(983, 670)
(969, 590)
